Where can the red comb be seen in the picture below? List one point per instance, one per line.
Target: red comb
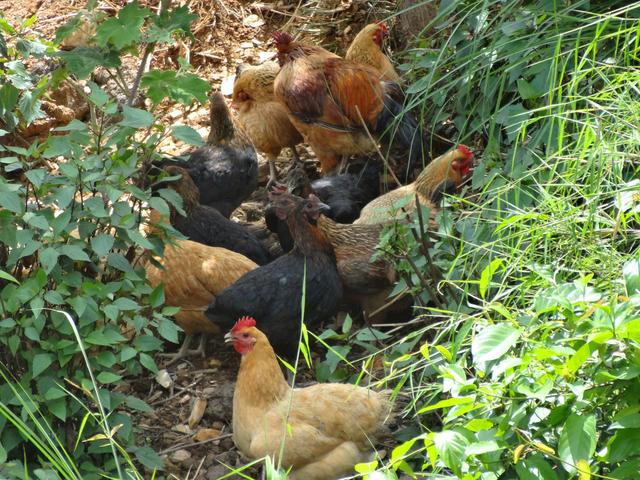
(465, 150)
(244, 322)
(282, 40)
(382, 25)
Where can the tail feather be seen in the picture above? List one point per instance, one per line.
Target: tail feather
(406, 133)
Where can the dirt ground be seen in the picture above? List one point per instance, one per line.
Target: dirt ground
(192, 400)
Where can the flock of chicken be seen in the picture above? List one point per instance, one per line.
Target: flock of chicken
(328, 231)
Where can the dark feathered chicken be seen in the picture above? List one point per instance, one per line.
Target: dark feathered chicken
(204, 224)
(226, 170)
(346, 194)
(272, 294)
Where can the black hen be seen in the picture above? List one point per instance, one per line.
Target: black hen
(272, 294)
(204, 224)
(346, 194)
(226, 169)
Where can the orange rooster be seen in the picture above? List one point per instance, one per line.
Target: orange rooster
(193, 274)
(367, 48)
(443, 175)
(338, 104)
(326, 428)
(262, 117)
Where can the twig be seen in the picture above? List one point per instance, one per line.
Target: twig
(189, 445)
(146, 59)
(181, 391)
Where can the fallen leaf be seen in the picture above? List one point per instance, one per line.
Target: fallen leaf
(180, 456)
(206, 434)
(253, 21)
(164, 379)
(197, 411)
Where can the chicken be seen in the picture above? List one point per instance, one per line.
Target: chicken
(345, 194)
(338, 104)
(226, 169)
(262, 117)
(326, 428)
(443, 175)
(206, 225)
(273, 292)
(367, 48)
(193, 274)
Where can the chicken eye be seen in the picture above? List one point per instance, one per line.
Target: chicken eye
(245, 335)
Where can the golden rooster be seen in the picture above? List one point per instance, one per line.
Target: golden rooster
(341, 107)
(367, 48)
(261, 116)
(326, 428)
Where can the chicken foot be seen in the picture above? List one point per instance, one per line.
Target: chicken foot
(184, 350)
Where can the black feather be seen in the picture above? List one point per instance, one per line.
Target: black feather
(206, 225)
(225, 175)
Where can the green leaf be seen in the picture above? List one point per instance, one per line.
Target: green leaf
(181, 88)
(108, 377)
(451, 446)
(7, 276)
(123, 30)
(101, 244)
(449, 402)
(48, 259)
(148, 362)
(168, 330)
(631, 272)
(11, 201)
(487, 275)
(118, 262)
(577, 441)
(58, 408)
(493, 342)
(149, 458)
(138, 404)
(57, 146)
(156, 297)
(126, 304)
(187, 135)
(135, 118)
(41, 361)
(74, 252)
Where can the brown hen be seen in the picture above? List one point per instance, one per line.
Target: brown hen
(367, 48)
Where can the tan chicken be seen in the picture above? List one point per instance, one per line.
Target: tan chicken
(367, 48)
(193, 274)
(326, 428)
(261, 116)
(443, 175)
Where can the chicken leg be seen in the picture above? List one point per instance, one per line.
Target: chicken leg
(184, 350)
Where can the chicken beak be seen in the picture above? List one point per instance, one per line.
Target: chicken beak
(228, 338)
(323, 208)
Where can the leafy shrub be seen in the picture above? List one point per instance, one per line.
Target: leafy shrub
(71, 236)
(533, 371)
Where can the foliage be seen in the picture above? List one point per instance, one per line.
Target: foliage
(71, 212)
(532, 373)
(526, 365)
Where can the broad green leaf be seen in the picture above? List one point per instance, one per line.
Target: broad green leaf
(187, 135)
(138, 404)
(12, 202)
(108, 377)
(41, 361)
(493, 342)
(577, 441)
(75, 252)
(631, 272)
(156, 297)
(117, 261)
(7, 276)
(136, 118)
(48, 258)
(451, 446)
(168, 330)
(149, 458)
(101, 244)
